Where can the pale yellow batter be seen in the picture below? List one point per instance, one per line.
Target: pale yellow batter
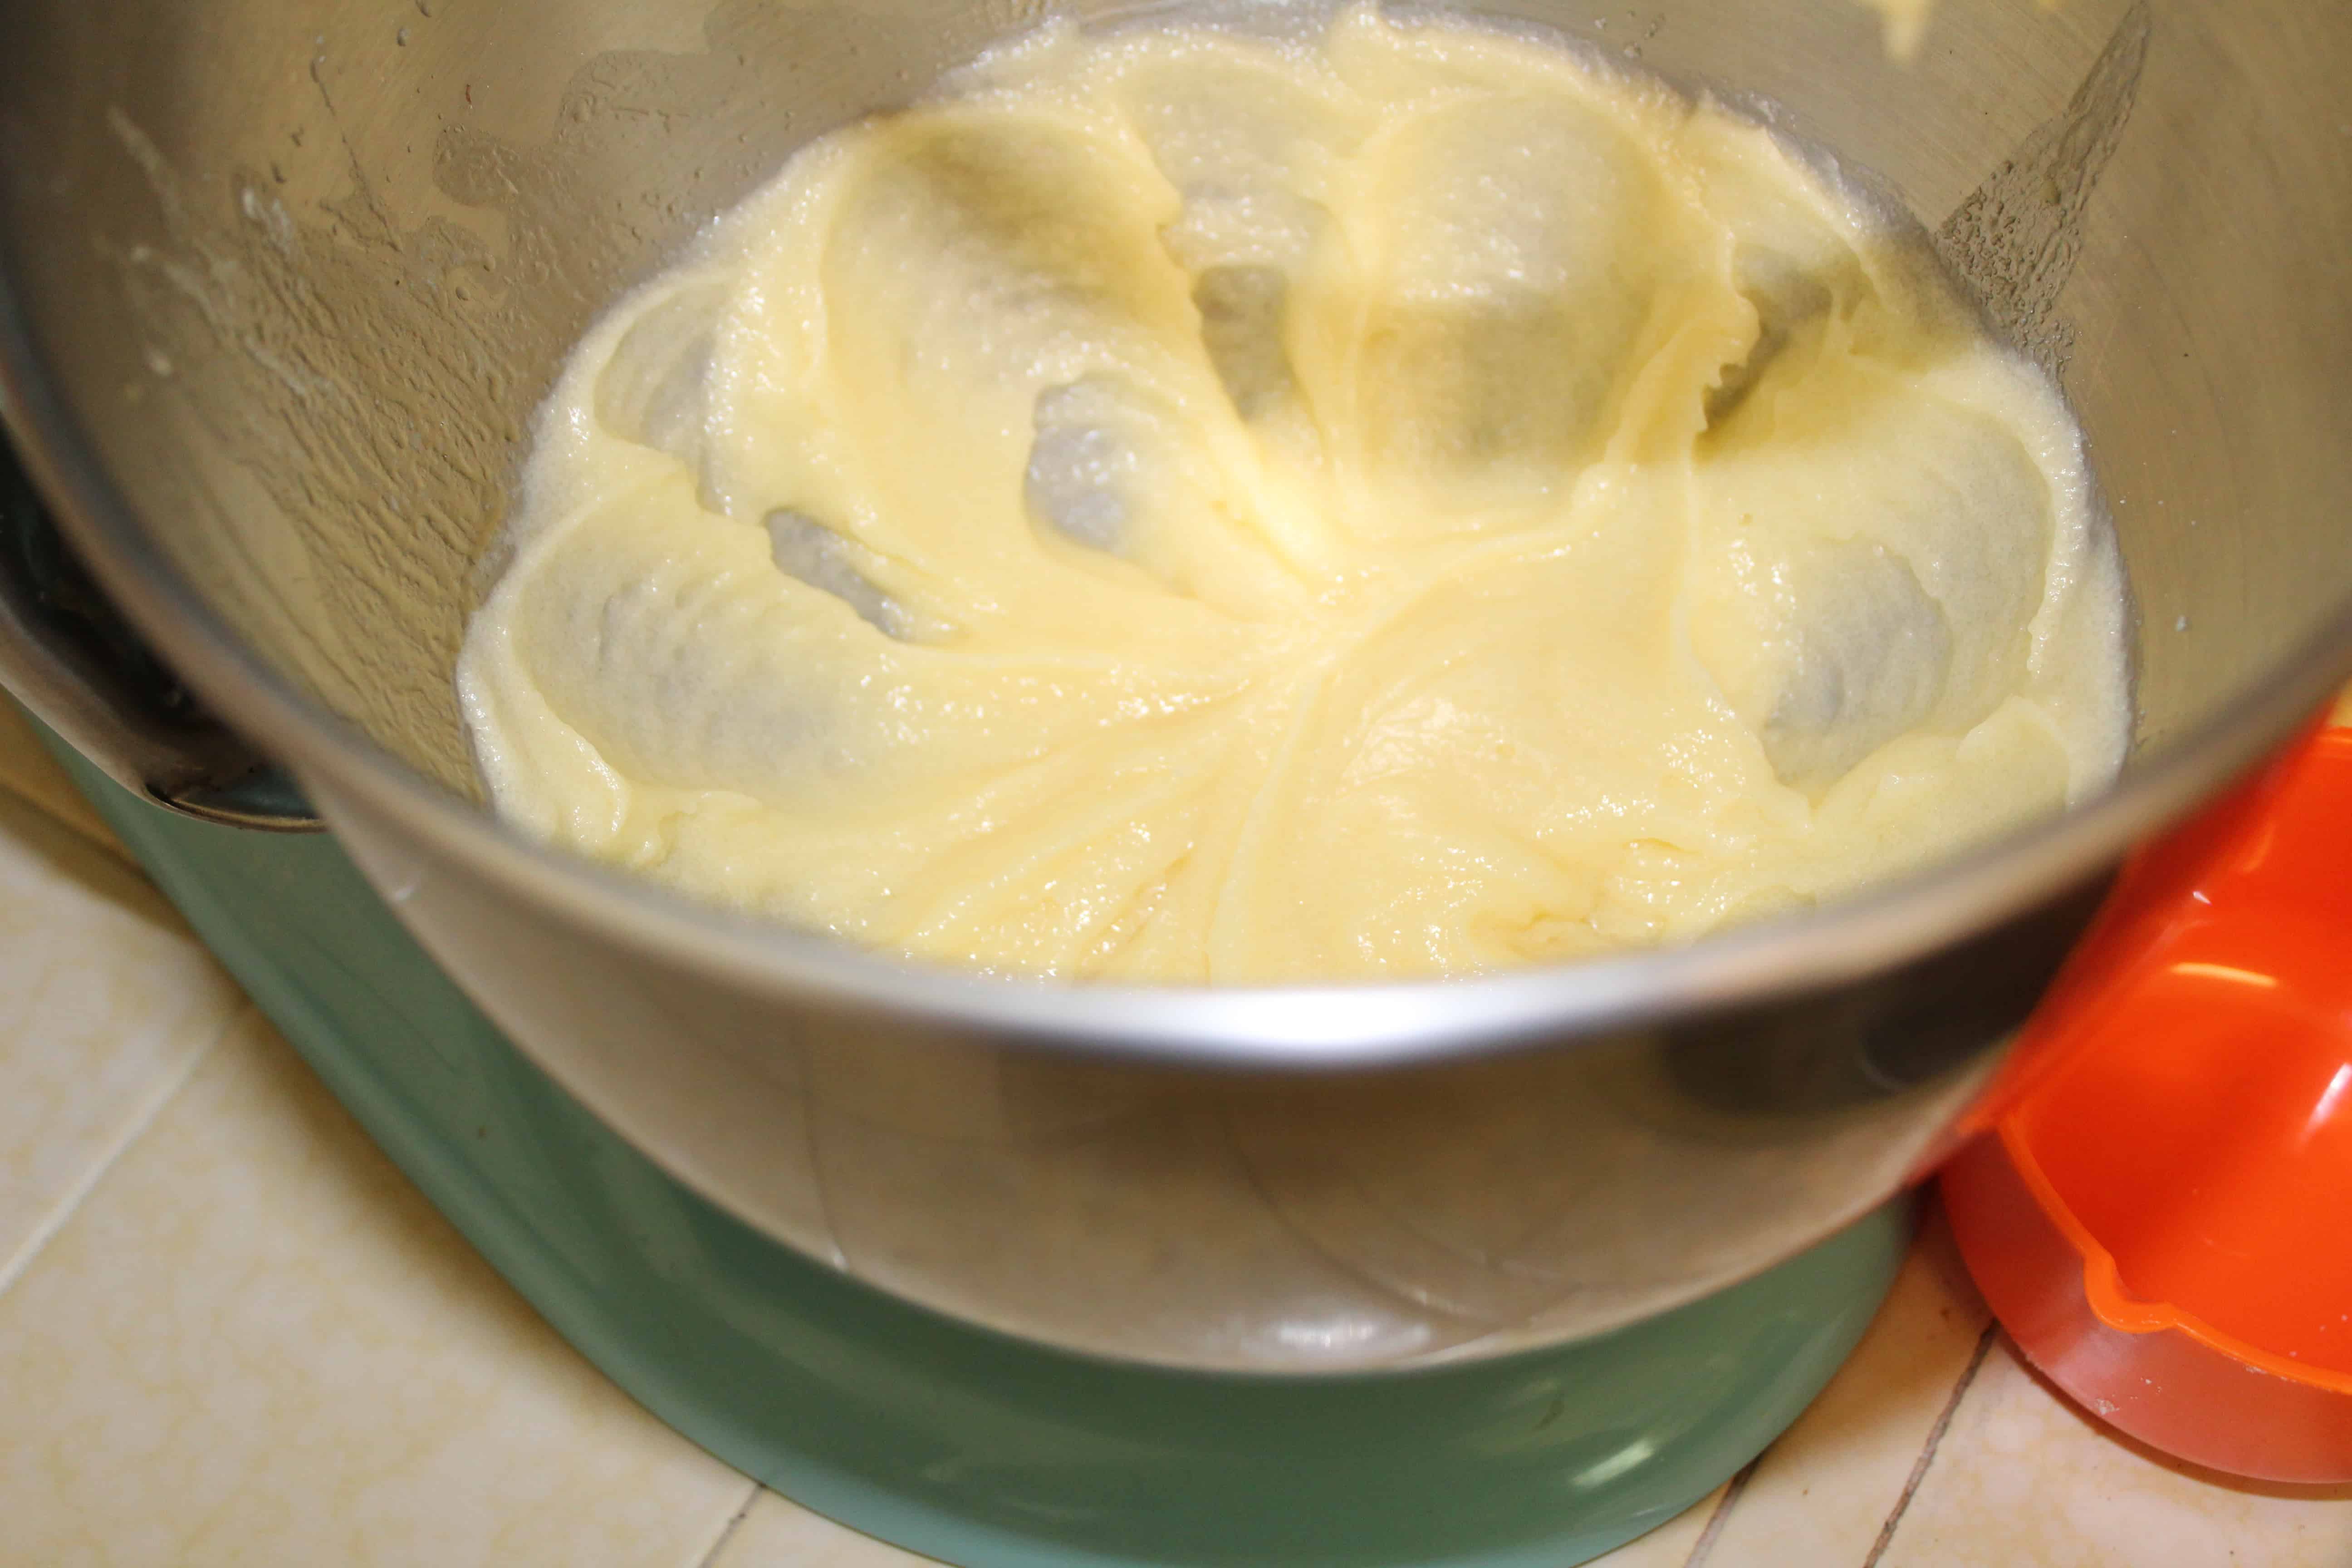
(1186, 508)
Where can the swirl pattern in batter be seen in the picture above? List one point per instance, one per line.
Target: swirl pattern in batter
(1186, 506)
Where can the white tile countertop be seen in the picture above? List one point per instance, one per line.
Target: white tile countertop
(230, 1332)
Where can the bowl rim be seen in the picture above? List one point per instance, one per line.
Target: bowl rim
(2114, 1304)
(2162, 1385)
(1294, 1028)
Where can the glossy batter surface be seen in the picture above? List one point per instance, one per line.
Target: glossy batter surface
(1189, 507)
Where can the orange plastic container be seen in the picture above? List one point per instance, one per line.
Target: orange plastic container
(2160, 1213)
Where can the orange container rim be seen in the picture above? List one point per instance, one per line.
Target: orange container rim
(2103, 1284)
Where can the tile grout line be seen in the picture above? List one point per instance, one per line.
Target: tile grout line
(727, 1531)
(14, 1268)
(1935, 1441)
(1704, 1547)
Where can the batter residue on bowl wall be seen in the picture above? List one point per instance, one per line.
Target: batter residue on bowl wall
(1182, 507)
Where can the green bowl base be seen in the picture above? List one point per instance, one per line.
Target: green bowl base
(953, 1441)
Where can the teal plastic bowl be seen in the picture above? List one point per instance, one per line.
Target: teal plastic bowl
(954, 1441)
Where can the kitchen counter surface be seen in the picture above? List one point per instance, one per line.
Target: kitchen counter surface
(230, 1332)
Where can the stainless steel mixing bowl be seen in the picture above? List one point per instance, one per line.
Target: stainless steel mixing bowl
(284, 280)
